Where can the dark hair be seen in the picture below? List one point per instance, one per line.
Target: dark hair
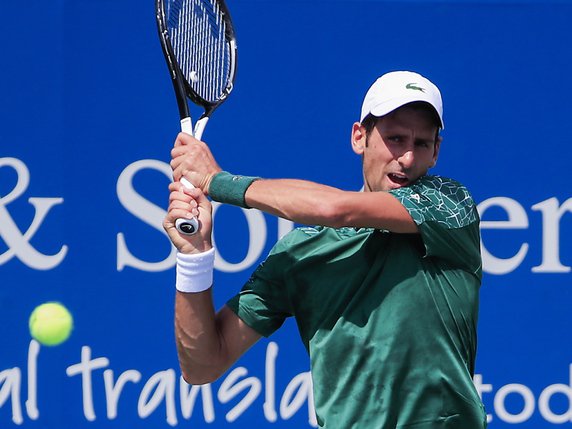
(370, 121)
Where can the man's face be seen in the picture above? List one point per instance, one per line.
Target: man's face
(401, 148)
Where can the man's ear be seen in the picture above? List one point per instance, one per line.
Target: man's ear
(359, 137)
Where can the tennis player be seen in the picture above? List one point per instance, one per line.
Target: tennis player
(385, 291)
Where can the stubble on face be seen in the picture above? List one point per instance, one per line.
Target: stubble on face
(401, 147)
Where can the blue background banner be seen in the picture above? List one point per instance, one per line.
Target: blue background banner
(88, 117)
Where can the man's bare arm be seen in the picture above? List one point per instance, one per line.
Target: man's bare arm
(208, 343)
(314, 204)
(298, 200)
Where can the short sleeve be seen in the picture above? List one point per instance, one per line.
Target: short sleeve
(447, 218)
(263, 303)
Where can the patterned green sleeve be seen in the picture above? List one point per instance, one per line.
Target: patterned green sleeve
(263, 302)
(447, 219)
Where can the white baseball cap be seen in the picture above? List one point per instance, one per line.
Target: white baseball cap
(395, 89)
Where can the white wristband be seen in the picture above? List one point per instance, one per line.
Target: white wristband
(195, 271)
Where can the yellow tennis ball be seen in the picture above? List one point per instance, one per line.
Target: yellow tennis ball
(51, 323)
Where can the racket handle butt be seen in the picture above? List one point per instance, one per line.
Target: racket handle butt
(187, 226)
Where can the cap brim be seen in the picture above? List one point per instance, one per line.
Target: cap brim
(389, 106)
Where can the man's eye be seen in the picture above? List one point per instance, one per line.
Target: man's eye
(395, 139)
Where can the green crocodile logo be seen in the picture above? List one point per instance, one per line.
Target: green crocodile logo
(414, 86)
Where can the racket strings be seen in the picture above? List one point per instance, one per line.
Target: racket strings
(198, 35)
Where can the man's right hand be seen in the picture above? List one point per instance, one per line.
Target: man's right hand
(193, 160)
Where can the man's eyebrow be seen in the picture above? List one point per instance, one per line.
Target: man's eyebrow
(427, 140)
(396, 131)
(393, 129)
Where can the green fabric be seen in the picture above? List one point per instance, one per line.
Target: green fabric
(389, 320)
(230, 189)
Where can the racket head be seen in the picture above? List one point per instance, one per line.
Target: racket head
(199, 44)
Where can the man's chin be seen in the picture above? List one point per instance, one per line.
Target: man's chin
(391, 186)
(387, 185)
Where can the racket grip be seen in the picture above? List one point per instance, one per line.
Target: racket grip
(187, 226)
(187, 126)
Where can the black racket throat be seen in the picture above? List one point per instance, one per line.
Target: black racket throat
(181, 94)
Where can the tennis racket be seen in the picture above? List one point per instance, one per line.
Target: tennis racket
(198, 41)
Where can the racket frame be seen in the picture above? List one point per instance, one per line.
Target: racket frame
(183, 89)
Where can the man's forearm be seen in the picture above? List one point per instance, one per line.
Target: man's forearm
(208, 343)
(298, 200)
(198, 342)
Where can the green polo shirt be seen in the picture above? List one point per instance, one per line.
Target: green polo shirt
(389, 320)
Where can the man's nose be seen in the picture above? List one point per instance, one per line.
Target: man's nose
(406, 159)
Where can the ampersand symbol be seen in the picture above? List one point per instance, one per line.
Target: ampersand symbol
(18, 243)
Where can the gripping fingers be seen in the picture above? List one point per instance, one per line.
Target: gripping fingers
(188, 223)
(184, 210)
